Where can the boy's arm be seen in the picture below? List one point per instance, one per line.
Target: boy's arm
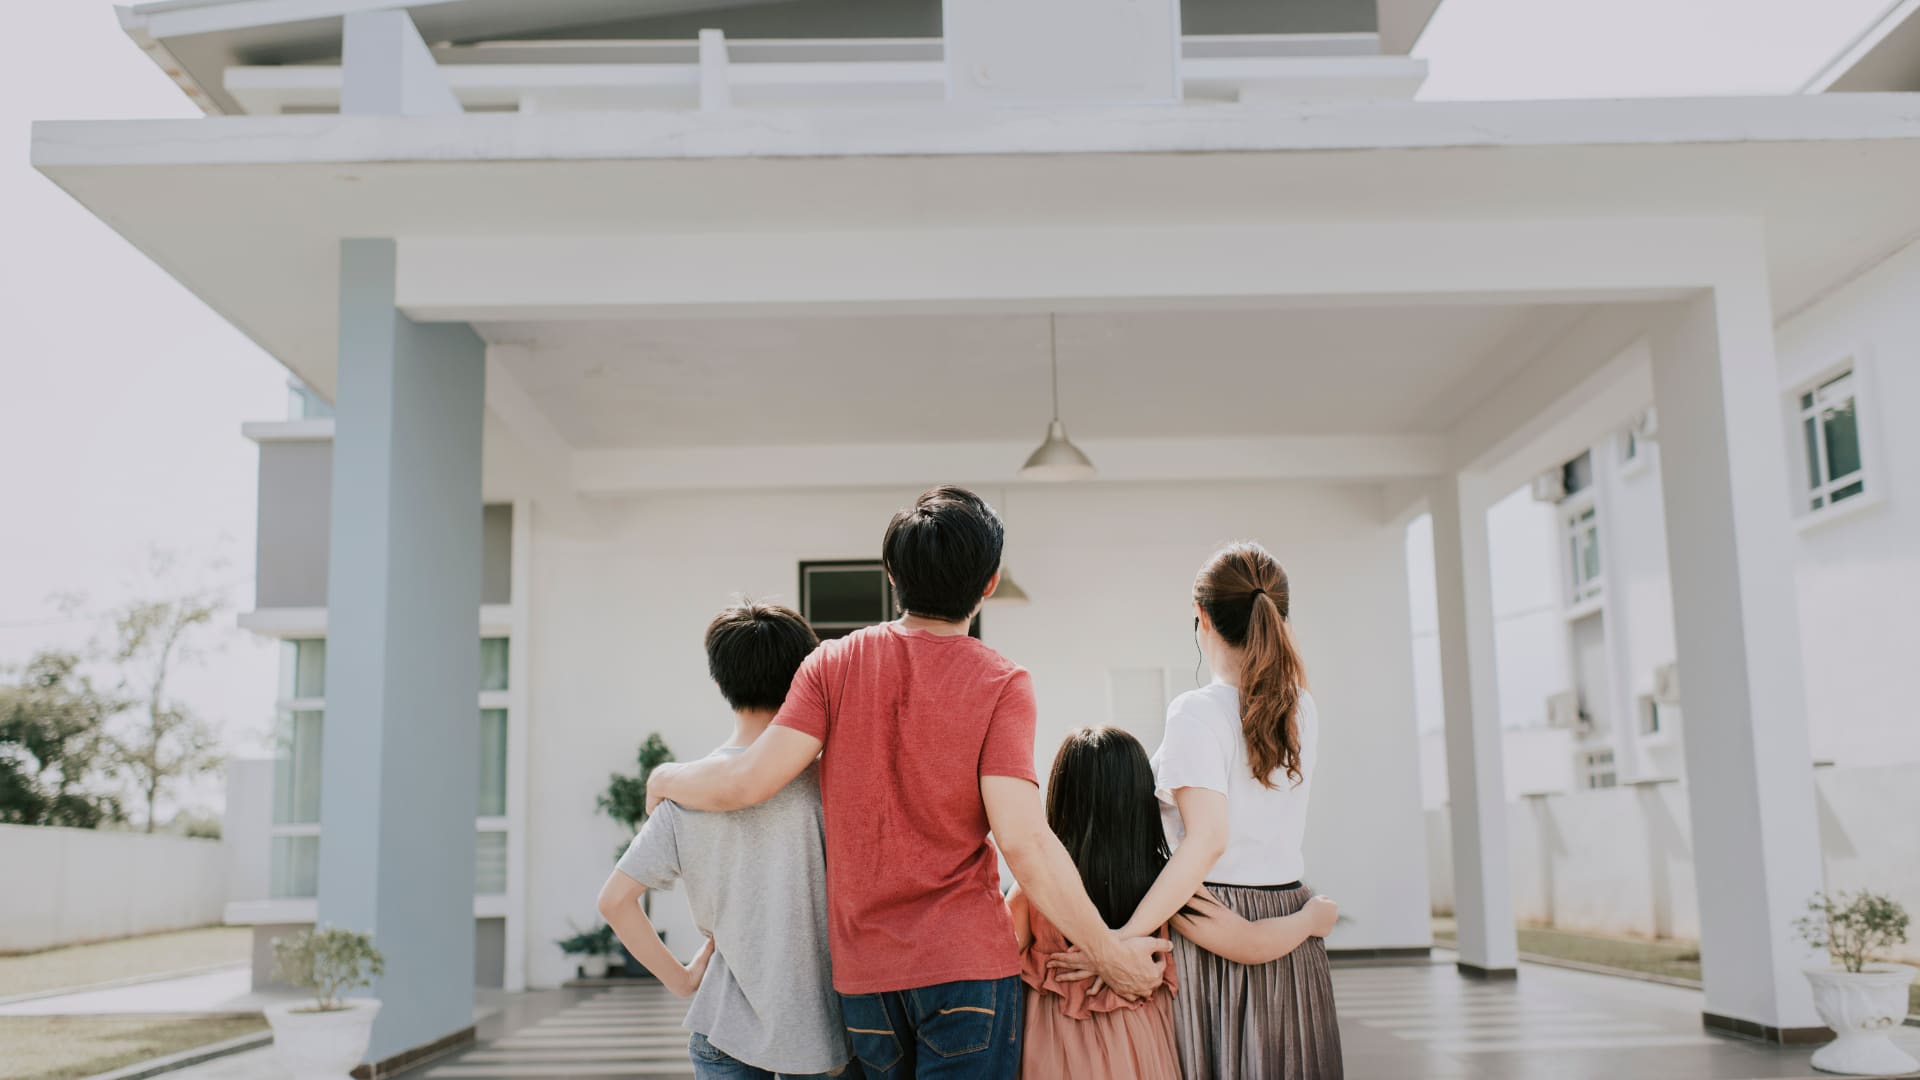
(1048, 877)
(735, 781)
(1224, 933)
(620, 906)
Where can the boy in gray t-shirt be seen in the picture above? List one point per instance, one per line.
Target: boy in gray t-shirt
(762, 986)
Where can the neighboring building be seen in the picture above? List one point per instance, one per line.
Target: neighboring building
(609, 317)
(1588, 675)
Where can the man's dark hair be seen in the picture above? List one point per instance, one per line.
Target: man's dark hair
(753, 650)
(941, 552)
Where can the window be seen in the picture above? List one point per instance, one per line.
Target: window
(294, 859)
(1594, 769)
(1580, 527)
(1830, 430)
(839, 597)
(1576, 476)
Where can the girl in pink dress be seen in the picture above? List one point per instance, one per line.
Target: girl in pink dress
(1100, 802)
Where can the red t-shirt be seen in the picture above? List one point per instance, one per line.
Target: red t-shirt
(911, 722)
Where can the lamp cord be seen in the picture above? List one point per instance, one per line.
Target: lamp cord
(1053, 356)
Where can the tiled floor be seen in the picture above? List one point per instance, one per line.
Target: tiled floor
(1404, 1022)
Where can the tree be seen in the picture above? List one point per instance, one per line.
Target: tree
(167, 742)
(54, 746)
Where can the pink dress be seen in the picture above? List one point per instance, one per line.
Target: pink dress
(1071, 1034)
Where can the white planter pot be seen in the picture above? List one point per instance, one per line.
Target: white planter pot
(1862, 1008)
(593, 967)
(322, 1045)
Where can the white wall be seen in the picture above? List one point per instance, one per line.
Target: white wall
(619, 604)
(1859, 573)
(1620, 860)
(1534, 760)
(83, 885)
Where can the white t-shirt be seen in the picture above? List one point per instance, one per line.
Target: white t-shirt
(1204, 748)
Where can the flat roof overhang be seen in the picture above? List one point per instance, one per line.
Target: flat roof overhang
(248, 212)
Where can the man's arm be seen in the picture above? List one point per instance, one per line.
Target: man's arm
(1052, 883)
(620, 906)
(735, 781)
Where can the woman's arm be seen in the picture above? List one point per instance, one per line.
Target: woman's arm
(1223, 932)
(1203, 813)
(620, 906)
(1022, 920)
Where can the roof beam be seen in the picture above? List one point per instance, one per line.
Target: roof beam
(387, 69)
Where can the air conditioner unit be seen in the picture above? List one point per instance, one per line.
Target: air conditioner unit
(1563, 711)
(1647, 427)
(1666, 684)
(1550, 486)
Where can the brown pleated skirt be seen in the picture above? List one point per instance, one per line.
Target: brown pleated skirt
(1272, 1022)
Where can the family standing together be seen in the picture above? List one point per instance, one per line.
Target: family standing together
(836, 848)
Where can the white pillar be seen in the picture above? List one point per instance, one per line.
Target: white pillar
(388, 70)
(1476, 784)
(1756, 841)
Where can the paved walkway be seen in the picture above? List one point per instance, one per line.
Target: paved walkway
(1411, 1022)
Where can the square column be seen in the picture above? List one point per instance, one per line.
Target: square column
(401, 756)
(1476, 782)
(1756, 839)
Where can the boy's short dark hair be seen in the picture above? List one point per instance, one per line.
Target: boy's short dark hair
(753, 650)
(942, 551)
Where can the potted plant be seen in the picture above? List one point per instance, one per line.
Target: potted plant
(592, 947)
(1859, 999)
(625, 801)
(324, 1039)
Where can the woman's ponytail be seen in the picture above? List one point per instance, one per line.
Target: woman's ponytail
(1244, 593)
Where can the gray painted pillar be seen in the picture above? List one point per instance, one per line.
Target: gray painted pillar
(1743, 707)
(388, 70)
(1476, 782)
(402, 748)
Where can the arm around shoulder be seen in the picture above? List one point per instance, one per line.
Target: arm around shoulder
(1224, 933)
(735, 781)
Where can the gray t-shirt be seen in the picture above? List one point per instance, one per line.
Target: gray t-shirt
(757, 882)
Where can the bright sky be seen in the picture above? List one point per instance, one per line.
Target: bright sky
(121, 395)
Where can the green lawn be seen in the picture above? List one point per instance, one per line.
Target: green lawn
(1672, 959)
(77, 966)
(70, 1047)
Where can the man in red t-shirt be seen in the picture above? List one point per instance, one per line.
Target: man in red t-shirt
(925, 742)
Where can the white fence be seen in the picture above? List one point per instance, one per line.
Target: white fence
(65, 886)
(1620, 860)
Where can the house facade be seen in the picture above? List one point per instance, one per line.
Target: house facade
(609, 318)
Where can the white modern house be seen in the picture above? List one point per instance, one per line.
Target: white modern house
(611, 311)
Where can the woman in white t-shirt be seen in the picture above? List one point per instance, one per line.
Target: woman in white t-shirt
(1233, 774)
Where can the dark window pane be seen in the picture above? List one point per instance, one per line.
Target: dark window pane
(1849, 491)
(1806, 400)
(310, 668)
(296, 779)
(1843, 441)
(493, 663)
(846, 595)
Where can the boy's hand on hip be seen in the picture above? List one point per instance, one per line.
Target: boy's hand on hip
(696, 971)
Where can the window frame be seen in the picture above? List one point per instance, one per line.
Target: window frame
(1580, 594)
(1855, 362)
(285, 705)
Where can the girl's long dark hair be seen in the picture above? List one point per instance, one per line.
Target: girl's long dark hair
(1100, 804)
(1245, 595)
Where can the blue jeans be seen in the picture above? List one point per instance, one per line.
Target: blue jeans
(952, 1031)
(712, 1063)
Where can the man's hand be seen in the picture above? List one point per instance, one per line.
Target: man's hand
(1078, 965)
(695, 970)
(657, 784)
